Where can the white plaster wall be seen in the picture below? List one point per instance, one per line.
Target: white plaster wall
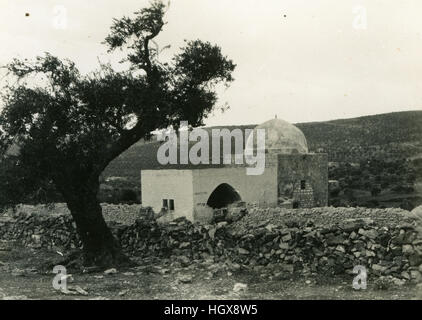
(168, 184)
(259, 188)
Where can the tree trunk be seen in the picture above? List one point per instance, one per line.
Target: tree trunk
(100, 248)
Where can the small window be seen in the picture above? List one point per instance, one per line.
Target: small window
(171, 205)
(165, 204)
(302, 184)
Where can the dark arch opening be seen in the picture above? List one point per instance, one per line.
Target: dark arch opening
(222, 196)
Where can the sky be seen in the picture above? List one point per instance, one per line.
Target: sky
(298, 59)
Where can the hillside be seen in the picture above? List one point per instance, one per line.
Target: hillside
(394, 134)
(389, 135)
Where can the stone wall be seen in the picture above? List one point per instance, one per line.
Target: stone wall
(304, 195)
(325, 241)
(312, 168)
(121, 213)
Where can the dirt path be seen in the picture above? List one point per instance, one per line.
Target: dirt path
(21, 278)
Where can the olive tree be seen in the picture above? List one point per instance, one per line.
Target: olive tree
(68, 127)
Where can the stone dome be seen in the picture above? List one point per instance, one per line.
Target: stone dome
(280, 137)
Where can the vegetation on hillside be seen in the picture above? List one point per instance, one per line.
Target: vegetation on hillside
(374, 183)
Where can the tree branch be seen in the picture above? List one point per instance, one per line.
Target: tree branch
(126, 140)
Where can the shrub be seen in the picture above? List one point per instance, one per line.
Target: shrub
(375, 191)
(129, 195)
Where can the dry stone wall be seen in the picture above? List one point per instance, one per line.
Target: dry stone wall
(304, 241)
(121, 213)
(311, 168)
(305, 196)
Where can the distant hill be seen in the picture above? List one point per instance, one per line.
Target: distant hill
(391, 135)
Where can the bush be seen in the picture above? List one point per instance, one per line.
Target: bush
(335, 192)
(406, 205)
(372, 203)
(129, 195)
(337, 203)
(116, 196)
(375, 191)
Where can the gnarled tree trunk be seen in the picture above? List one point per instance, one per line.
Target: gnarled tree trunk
(100, 248)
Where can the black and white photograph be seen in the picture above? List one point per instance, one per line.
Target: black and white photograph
(229, 151)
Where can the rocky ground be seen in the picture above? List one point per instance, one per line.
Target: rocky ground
(23, 276)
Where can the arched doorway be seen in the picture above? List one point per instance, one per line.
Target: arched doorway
(222, 196)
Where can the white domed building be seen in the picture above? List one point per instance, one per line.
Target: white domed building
(280, 137)
(292, 178)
